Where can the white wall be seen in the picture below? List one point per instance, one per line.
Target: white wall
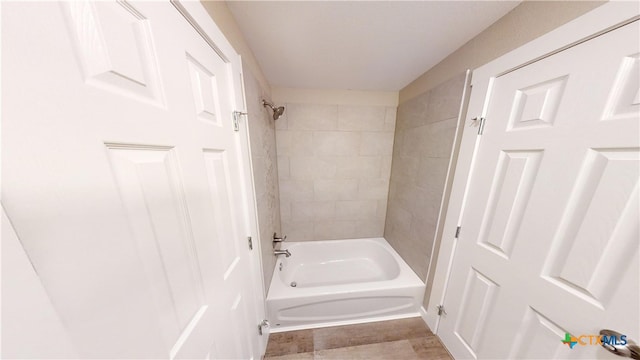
(529, 20)
(225, 21)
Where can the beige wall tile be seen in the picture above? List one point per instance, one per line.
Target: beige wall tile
(313, 210)
(444, 102)
(311, 167)
(361, 118)
(298, 230)
(260, 169)
(296, 190)
(356, 209)
(415, 140)
(312, 117)
(413, 113)
(425, 127)
(335, 163)
(283, 167)
(385, 169)
(336, 189)
(437, 138)
(370, 228)
(335, 229)
(294, 142)
(432, 173)
(390, 119)
(398, 220)
(336, 143)
(375, 189)
(404, 169)
(262, 143)
(380, 143)
(285, 210)
(382, 209)
(415, 255)
(421, 236)
(281, 123)
(358, 167)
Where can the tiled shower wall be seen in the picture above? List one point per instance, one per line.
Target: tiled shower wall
(334, 163)
(262, 140)
(424, 137)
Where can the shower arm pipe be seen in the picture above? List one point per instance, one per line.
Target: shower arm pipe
(268, 103)
(277, 111)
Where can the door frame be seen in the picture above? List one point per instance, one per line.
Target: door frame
(604, 18)
(196, 15)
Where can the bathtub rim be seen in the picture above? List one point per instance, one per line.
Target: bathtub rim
(329, 251)
(406, 277)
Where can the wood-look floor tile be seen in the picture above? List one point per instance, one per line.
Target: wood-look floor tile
(290, 342)
(397, 350)
(370, 333)
(430, 348)
(298, 356)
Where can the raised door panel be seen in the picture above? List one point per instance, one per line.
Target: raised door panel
(478, 302)
(115, 48)
(153, 195)
(204, 85)
(598, 232)
(624, 97)
(538, 338)
(510, 190)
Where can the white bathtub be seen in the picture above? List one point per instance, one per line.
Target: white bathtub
(341, 282)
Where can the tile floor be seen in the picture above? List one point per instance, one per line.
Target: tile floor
(395, 339)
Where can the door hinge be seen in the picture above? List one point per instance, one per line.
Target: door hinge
(250, 242)
(480, 121)
(263, 324)
(458, 231)
(441, 310)
(236, 119)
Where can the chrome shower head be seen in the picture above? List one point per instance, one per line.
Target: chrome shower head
(277, 111)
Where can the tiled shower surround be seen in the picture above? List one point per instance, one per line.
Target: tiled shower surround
(334, 163)
(262, 141)
(423, 142)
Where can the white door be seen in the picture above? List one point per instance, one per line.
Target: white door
(549, 234)
(121, 176)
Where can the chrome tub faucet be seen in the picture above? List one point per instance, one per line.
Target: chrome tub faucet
(284, 252)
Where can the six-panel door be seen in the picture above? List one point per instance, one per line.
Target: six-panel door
(121, 178)
(549, 241)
